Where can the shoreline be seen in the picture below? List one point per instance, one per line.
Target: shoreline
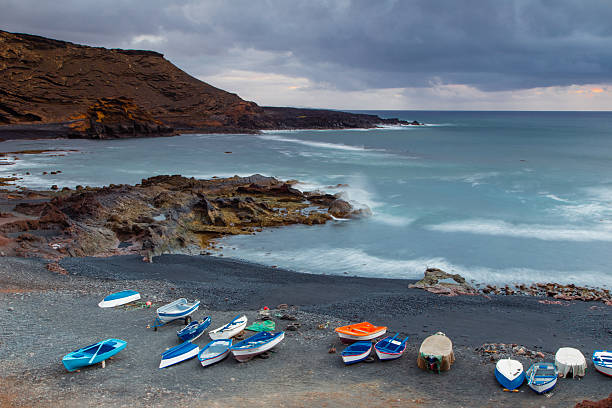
(301, 369)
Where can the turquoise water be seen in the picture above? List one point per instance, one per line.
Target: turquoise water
(495, 196)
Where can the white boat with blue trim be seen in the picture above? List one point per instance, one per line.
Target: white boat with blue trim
(542, 377)
(255, 345)
(214, 352)
(390, 348)
(231, 329)
(509, 373)
(602, 360)
(179, 309)
(175, 355)
(119, 298)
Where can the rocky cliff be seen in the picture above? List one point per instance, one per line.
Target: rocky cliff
(51, 88)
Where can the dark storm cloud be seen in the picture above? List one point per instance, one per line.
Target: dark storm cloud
(492, 45)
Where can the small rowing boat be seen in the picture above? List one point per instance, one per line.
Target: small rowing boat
(542, 377)
(214, 352)
(255, 345)
(193, 330)
(436, 353)
(389, 348)
(509, 373)
(570, 362)
(360, 332)
(179, 309)
(229, 330)
(119, 298)
(93, 354)
(602, 360)
(175, 355)
(356, 352)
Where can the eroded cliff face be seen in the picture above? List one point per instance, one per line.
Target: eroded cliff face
(49, 81)
(162, 214)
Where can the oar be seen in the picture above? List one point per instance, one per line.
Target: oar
(94, 356)
(230, 323)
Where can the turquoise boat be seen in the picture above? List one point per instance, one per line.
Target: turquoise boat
(93, 354)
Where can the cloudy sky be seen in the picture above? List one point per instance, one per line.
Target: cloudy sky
(386, 54)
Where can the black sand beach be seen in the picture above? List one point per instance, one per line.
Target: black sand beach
(46, 315)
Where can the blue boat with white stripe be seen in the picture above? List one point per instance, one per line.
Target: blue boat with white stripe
(93, 354)
(177, 354)
(193, 330)
(509, 373)
(390, 348)
(602, 360)
(356, 352)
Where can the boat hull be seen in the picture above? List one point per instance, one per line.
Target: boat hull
(509, 373)
(190, 335)
(169, 315)
(355, 358)
(356, 352)
(543, 388)
(384, 356)
(169, 360)
(349, 338)
(214, 360)
(230, 332)
(544, 382)
(119, 298)
(602, 360)
(78, 359)
(243, 355)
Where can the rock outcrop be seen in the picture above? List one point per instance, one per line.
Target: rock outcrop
(51, 88)
(162, 214)
(439, 282)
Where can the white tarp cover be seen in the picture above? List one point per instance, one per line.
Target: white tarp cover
(570, 361)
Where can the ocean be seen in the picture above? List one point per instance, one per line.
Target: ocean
(498, 197)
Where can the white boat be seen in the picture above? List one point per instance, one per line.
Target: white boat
(602, 360)
(389, 348)
(570, 362)
(229, 330)
(175, 355)
(178, 309)
(255, 345)
(509, 373)
(542, 377)
(119, 298)
(214, 352)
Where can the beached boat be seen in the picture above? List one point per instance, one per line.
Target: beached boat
(193, 330)
(179, 309)
(390, 348)
(602, 360)
(360, 332)
(229, 330)
(542, 377)
(570, 362)
(93, 354)
(119, 298)
(356, 352)
(214, 352)
(436, 353)
(257, 344)
(509, 373)
(175, 355)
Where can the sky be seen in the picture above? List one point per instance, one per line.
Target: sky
(361, 54)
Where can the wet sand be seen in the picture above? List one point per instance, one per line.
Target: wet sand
(51, 315)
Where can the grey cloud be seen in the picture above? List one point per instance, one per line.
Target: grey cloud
(491, 45)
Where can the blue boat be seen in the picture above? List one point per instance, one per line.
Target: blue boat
(182, 352)
(193, 330)
(356, 352)
(119, 298)
(255, 345)
(390, 348)
(509, 373)
(93, 354)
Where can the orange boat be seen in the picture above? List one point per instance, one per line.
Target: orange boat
(360, 332)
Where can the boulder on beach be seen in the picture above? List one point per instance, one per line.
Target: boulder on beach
(442, 283)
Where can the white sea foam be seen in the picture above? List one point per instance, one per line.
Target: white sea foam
(557, 198)
(601, 232)
(323, 145)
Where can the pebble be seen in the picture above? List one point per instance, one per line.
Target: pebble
(11, 308)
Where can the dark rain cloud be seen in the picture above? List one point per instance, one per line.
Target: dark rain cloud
(352, 45)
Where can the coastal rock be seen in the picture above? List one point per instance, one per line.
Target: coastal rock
(604, 403)
(340, 208)
(439, 282)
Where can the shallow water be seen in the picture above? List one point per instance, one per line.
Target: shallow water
(495, 196)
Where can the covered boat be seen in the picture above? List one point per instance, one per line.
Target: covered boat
(182, 352)
(360, 332)
(390, 348)
(93, 354)
(509, 373)
(356, 352)
(256, 344)
(436, 353)
(231, 329)
(119, 298)
(542, 377)
(570, 361)
(602, 360)
(179, 309)
(214, 352)
(193, 330)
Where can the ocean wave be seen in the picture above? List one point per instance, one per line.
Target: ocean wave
(323, 145)
(536, 231)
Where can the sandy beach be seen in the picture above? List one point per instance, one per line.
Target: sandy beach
(46, 315)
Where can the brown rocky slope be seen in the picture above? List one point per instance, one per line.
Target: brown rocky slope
(51, 88)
